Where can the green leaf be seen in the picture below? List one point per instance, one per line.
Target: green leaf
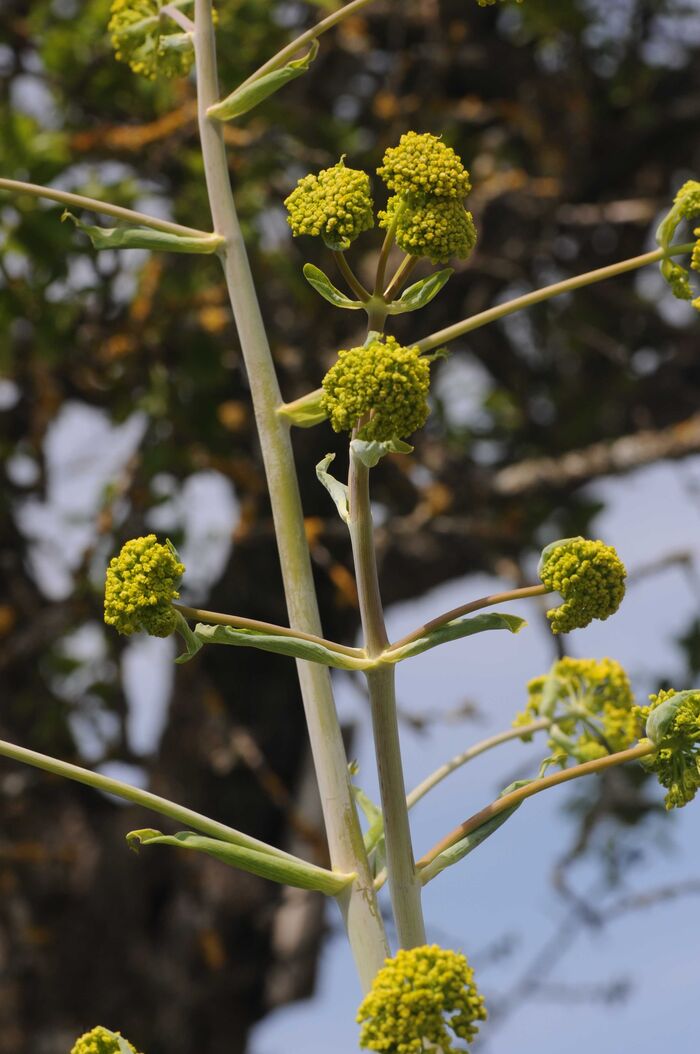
(337, 490)
(192, 642)
(124, 1047)
(306, 411)
(421, 293)
(371, 451)
(248, 96)
(320, 281)
(662, 716)
(549, 549)
(472, 841)
(145, 238)
(463, 627)
(296, 647)
(295, 872)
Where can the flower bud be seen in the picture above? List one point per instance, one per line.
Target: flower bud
(335, 205)
(673, 725)
(423, 999)
(138, 38)
(101, 1041)
(424, 167)
(140, 586)
(438, 229)
(381, 387)
(590, 577)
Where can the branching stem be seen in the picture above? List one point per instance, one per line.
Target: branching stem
(641, 750)
(79, 201)
(403, 273)
(443, 336)
(350, 277)
(465, 609)
(289, 51)
(216, 618)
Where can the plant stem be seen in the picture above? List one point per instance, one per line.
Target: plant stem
(546, 293)
(358, 903)
(144, 798)
(464, 609)
(642, 749)
(79, 201)
(290, 50)
(216, 618)
(171, 11)
(403, 273)
(350, 277)
(403, 882)
(472, 752)
(383, 260)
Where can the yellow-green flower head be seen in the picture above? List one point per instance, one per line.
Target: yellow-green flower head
(335, 205)
(590, 577)
(152, 45)
(140, 587)
(381, 387)
(439, 229)
(673, 725)
(686, 206)
(593, 704)
(422, 999)
(101, 1041)
(422, 166)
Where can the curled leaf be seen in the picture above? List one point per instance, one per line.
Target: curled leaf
(290, 872)
(248, 96)
(371, 451)
(296, 647)
(146, 238)
(462, 627)
(337, 490)
(320, 281)
(421, 293)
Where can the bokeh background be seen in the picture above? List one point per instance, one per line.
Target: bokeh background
(124, 408)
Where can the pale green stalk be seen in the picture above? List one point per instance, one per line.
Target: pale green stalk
(79, 201)
(508, 801)
(289, 51)
(358, 904)
(216, 618)
(404, 886)
(465, 609)
(568, 285)
(144, 798)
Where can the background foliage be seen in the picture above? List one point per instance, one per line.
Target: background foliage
(578, 120)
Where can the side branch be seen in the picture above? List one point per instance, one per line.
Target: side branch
(443, 336)
(79, 201)
(508, 801)
(465, 609)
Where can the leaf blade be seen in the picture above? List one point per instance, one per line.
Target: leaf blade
(421, 293)
(294, 647)
(320, 281)
(145, 238)
(248, 96)
(455, 630)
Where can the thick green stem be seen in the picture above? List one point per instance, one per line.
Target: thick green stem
(443, 336)
(404, 887)
(308, 37)
(465, 609)
(508, 801)
(358, 904)
(79, 201)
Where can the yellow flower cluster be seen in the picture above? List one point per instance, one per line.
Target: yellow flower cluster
(417, 1000)
(591, 697)
(335, 205)
(590, 577)
(138, 38)
(426, 211)
(677, 760)
(421, 165)
(686, 206)
(140, 586)
(381, 387)
(101, 1041)
(440, 229)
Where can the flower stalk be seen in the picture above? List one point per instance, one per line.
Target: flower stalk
(358, 904)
